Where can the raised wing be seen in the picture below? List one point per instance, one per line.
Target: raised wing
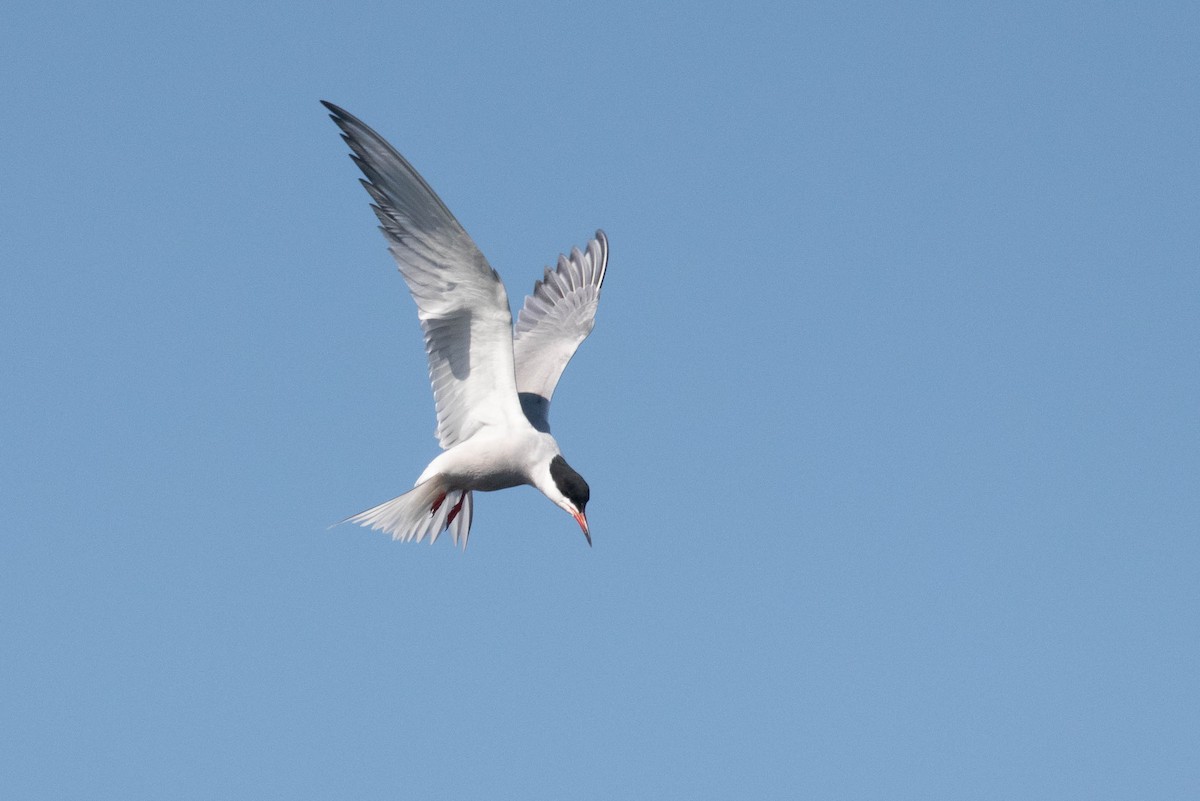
(554, 320)
(460, 300)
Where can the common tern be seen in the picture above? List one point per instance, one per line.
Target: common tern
(492, 383)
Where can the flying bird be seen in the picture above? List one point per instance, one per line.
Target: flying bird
(492, 383)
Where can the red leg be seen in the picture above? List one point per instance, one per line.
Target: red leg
(457, 508)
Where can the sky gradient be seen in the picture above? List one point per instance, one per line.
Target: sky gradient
(891, 414)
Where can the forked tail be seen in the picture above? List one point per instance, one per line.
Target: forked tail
(428, 508)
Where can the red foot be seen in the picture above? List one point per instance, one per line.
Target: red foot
(437, 504)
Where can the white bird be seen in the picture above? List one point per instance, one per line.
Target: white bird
(491, 385)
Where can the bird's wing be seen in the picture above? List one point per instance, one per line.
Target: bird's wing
(554, 320)
(460, 300)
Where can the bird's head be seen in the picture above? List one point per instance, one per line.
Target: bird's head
(572, 492)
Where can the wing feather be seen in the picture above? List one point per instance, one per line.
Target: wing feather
(555, 319)
(460, 299)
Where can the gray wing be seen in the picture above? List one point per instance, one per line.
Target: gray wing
(461, 302)
(554, 320)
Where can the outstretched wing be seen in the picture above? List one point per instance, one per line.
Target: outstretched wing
(554, 320)
(460, 300)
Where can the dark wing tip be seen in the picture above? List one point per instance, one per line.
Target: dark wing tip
(347, 122)
(354, 129)
(336, 112)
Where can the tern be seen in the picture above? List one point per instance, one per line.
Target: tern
(492, 383)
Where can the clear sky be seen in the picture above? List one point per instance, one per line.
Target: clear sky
(891, 414)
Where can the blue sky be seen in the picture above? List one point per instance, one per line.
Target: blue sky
(891, 414)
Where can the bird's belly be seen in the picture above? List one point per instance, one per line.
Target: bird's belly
(487, 464)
